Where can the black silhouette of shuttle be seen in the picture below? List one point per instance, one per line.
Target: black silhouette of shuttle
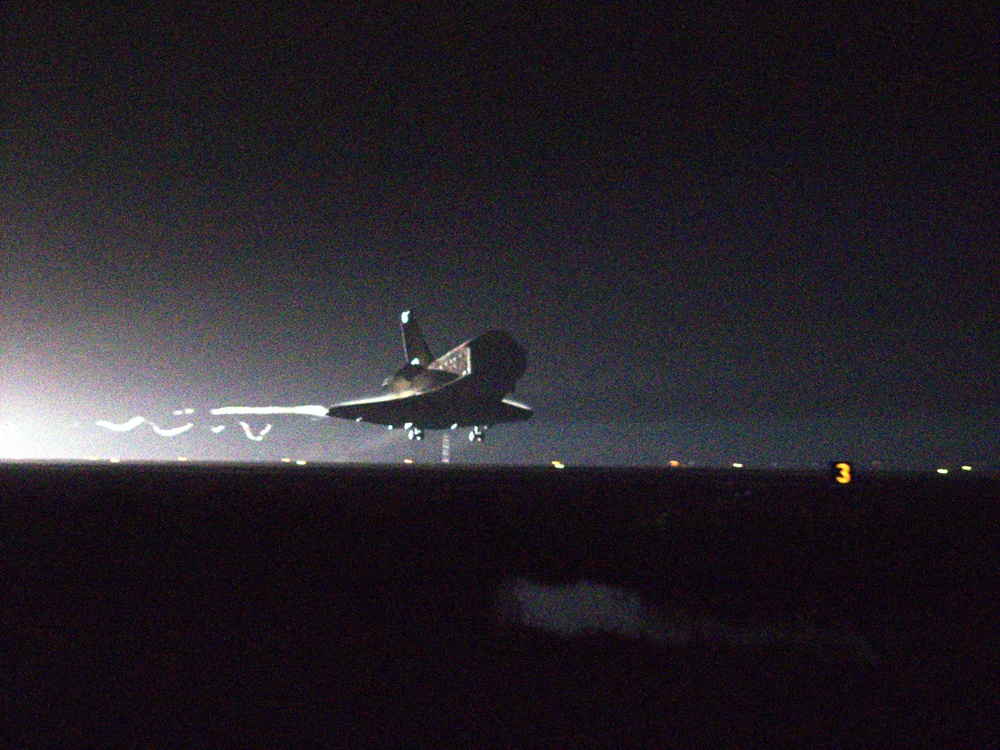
(466, 387)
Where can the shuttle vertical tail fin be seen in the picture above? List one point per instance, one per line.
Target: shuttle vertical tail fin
(416, 349)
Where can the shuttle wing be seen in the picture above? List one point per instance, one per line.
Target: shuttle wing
(461, 401)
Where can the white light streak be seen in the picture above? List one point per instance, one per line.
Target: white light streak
(249, 432)
(314, 410)
(218, 428)
(136, 421)
(123, 427)
(171, 432)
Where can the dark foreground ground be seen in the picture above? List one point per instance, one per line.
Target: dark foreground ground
(187, 606)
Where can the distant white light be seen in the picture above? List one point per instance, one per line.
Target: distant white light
(454, 426)
(407, 460)
(405, 317)
(218, 428)
(182, 458)
(359, 419)
(286, 460)
(408, 425)
(966, 468)
(559, 464)
(300, 462)
(675, 463)
(178, 412)
(389, 426)
(415, 361)
(114, 460)
(942, 471)
(737, 466)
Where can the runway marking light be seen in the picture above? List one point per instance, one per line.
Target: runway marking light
(942, 471)
(559, 464)
(737, 466)
(300, 462)
(966, 468)
(286, 460)
(407, 460)
(182, 458)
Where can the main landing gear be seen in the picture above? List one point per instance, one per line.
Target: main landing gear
(477, 434)
(414, 433)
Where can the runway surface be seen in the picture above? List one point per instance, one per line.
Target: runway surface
(377, 606)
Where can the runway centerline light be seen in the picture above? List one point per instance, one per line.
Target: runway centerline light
(559, 464)
(737, 466)
(942, 471)
(966, 468)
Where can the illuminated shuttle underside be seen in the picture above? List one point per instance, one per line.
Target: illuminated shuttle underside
(466, 387)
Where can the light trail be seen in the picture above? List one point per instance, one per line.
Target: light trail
(249, 432)
(314, 410)
(171, 431)
(123, 427)
(136, 421)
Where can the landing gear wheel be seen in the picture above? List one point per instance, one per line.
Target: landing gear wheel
(415, 433)
(476, 435)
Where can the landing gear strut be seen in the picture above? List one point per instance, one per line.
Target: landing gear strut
(476, 435)
(414, 433)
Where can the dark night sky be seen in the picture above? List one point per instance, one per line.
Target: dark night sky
(684, 215)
